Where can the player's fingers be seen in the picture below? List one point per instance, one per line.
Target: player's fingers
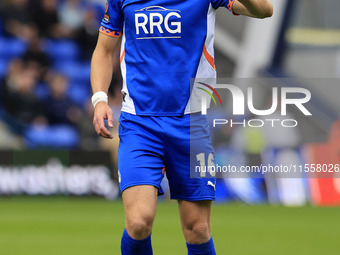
(98, 122)
(110, 119)
(105, 133)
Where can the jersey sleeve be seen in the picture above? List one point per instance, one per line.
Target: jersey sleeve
(223, 3)
(112, 23)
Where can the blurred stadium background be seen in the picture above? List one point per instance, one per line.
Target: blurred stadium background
(58, 180)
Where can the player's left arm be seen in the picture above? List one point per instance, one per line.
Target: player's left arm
(253, 8)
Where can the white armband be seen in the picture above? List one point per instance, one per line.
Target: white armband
(99, 96)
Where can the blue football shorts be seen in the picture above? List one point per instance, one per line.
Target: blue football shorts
(177, 146)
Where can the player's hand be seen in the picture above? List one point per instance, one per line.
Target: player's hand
(103, 112)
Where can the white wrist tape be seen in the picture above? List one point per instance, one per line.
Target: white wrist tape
(99, 96)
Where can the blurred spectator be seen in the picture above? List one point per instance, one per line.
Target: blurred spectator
(47, 20)
(71, 15)
(59, 108)
(88, 33)
(37, 58)
(18, 100)
(17, 19)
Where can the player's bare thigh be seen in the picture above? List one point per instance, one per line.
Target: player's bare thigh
(140, 204)
(195, 220)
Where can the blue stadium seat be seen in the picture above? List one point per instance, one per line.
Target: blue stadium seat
(58, 137)
(79, 93)
(11, 48)
(76, 72)
(3, 67)
(62, 50)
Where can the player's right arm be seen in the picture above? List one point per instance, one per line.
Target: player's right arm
(253, 8)
(101, 75)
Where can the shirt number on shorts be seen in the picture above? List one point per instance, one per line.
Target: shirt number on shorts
(204, 168)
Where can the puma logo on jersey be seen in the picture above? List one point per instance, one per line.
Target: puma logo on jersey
(155, 22)
(211, 184)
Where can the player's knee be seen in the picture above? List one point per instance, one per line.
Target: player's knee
(201, 231)
(197, 233)
(140, 228)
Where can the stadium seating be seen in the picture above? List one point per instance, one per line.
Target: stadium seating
(79, 93)
(11, 48)
(65, 56)
(58, 136)
(3, 67)
(76, 72)
(61, 50)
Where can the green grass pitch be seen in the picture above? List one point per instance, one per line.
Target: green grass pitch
(84, 226)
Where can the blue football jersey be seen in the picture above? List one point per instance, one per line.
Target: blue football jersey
(165, 43)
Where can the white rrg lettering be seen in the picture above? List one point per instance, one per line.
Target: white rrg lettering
(177, 24)
(157, 24)
(142, 24)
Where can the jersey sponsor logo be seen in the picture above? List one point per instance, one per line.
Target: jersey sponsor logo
(157, 22)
